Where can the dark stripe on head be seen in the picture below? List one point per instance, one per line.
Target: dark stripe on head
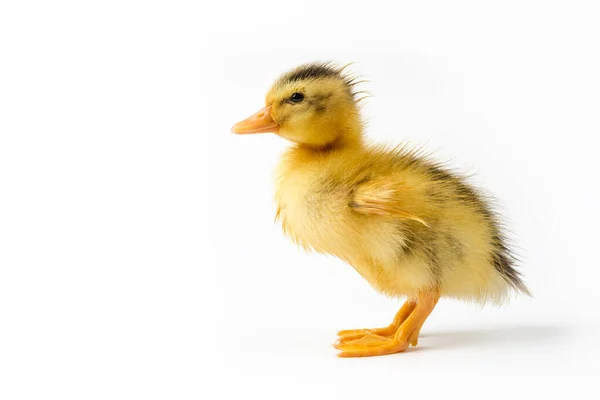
(312, 71)
(322, 70)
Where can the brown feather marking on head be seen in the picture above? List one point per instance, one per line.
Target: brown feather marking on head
(324, 69)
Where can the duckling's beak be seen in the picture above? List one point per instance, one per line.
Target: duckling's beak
(260, 122)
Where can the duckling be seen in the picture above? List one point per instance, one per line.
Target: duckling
(411, 227)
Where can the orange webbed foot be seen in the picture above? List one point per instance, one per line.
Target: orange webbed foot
(366, 339)
(372, 347)
(396, 338)
(350, 335)
(354, 334)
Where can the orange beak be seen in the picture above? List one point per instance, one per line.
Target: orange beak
(260, 122)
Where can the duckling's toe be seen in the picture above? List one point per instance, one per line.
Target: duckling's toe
(354, 334)
(368, 339)
(373, 347)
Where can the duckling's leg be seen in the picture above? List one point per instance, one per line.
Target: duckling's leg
(406, 334)
(401, 315)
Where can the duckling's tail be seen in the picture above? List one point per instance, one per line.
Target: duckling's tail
(504, 264)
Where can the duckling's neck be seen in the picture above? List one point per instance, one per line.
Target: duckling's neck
(350, 138)
(300, 156)
(341, 143)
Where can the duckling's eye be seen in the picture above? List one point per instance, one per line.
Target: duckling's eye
(296, 97)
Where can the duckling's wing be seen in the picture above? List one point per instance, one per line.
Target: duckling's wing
(386, 197)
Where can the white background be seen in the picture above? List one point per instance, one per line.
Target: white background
(138, 253)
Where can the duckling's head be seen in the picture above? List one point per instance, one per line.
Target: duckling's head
(312, 105)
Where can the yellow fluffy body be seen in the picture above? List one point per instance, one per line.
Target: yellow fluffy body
(427, 234)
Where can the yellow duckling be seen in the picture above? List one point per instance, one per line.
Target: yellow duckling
(407, 225)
